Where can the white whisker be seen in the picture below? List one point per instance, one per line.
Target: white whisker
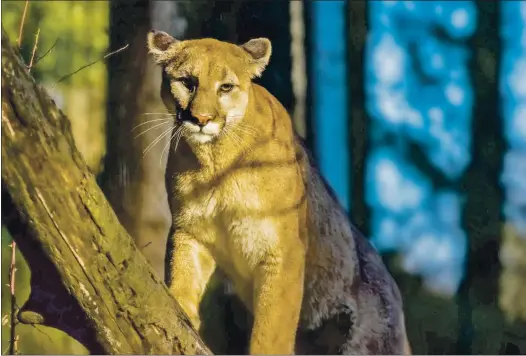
(179, 138)
(249, 127)
(245, 130)
(150, 121)
(166, 147)
(158, 113)
(179, 130)
(150, 128)
(232, 138)
(246, 144)
(154, 142)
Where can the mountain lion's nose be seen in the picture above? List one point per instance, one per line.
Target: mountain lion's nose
(202, 119)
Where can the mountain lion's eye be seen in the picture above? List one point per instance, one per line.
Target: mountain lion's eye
(225, 88)
(188, 83)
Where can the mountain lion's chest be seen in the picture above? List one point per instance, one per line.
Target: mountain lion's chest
(224, 217)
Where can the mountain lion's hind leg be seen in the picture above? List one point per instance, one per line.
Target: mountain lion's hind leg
(191, 267)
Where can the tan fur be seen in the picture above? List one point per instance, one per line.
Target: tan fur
(246, 199)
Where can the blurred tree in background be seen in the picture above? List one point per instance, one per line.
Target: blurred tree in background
(512, 108)
(132, 181)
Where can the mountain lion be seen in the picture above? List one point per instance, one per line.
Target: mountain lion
(247, 199)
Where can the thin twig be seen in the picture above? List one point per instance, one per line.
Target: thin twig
(17, 337)
(12, 283)
(7, 348)
(34, 51)
(90, 64)
(21, 30)
(45, 334)
(45, 54)
(12, 270)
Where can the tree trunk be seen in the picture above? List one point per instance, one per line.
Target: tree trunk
(88, 278)
(298, 76)
(134, 182)
(270, 19)
(512, 281)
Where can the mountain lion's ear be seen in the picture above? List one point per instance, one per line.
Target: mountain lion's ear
(159, 43)
(260, 50)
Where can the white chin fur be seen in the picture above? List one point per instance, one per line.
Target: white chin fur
(190, 127)
(199, 137)
(212, 128)
(209, 132)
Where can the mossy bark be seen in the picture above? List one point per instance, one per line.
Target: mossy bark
(88, 278)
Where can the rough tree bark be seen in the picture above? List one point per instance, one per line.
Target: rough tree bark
(88, 278)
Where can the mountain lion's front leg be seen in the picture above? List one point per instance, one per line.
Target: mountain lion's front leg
(191, 267)
(277, 301)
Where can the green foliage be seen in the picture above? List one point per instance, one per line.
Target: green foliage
(77, 29)
(77, 34)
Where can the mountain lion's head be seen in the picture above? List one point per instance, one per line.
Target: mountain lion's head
(206, 82)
